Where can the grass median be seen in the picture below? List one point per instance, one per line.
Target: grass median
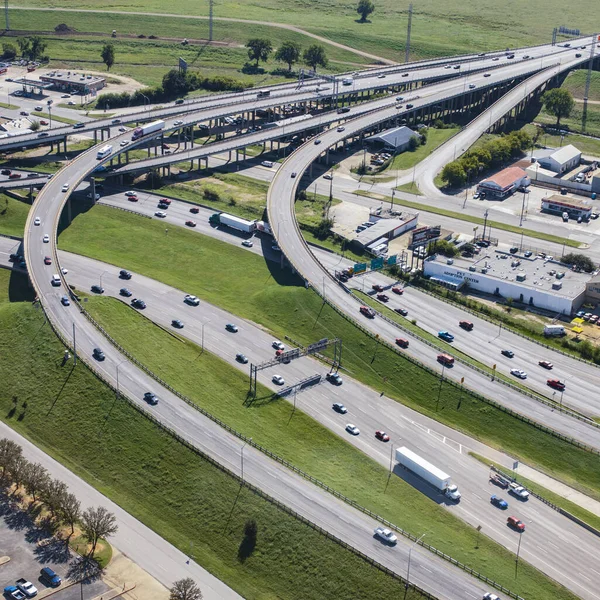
(13, 214)
(168, 487)
(244, 284)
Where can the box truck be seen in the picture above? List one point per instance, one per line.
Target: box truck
(233, 222)
(104, 152)
(430, 473)
(554, 330)
(153, 127)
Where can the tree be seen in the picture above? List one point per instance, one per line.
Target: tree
(24, 46)
(364, 9)
(108, 55)
(35, 479)
(581, 261)
(9, 51)
(70, 510)
(559, 103)
(37, 47)
(315, 56)
(454, 174)
(259, 49)
(288, 52)
(9, 452)
(185, 589)
(413, 143)
(53, 495)
(174, 83)
(443, 247)
(97, 523)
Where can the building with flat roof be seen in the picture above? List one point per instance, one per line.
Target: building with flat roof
(561, 160)
(558, 204)
(545, 284)
(395, 140)
(69, 81)
(504, 183)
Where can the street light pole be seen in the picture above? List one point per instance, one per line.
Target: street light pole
(242, 457)
(74, 347)
(406, 585)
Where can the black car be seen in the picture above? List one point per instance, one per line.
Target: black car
(125, 292)
(97, 289)
(123, 274)
(162, 205)
(508, 353)
(151, 398)
(401, 311)
(177, 323)
(231, 327)
(334, 378)
(241, 358)
(5, 172)
(180, 101)
(138, 303)
(343, 110)
(98, 354)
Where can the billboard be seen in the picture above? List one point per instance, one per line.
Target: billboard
(182, 65)
(425, 234)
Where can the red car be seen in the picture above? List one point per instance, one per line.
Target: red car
(367, 311)
(402, 342)
(556, 384)
(382, 435)
(398, 290)
(15, 176)
(515, 523)
(42, 122)
(191, 223)
(377, 288)
(195, 210)
(165, 201)
(383, 297)
(47, 260)
(132, 198)
(546, 364)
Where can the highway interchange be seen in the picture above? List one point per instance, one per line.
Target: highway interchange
(293, 491)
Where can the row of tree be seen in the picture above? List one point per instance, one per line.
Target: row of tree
(491, 154)
(259, 49)
(31, 48)
(64, 507)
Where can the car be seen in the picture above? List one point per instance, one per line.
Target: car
(353, 429)
(398, 290)
(466, 325)
(515, 523)
(231, 327)
(195, 210)
(275, 248)
(317, 142)
(499, 502)
(472, 86)
(191, 300)
(241, 358)
(130, 193)
(514, 250)
(386, 535)
(27, 587)
(37, 221)
(123, 274)
(487, 74)
(499, 480)
(179, 101)
(334, 378)
(64, 271)
(340, 129)
(380, 76)
(13, 592)
(377, 287)
(65, 301)
(178, 122)
(50, 577)
(15, 176)
(78, 125)
(446, 336)
(116, 121)
(403, 343)
(151, 398)
(161, 214)
(40, 135)
(328, 176)
(65, 188)
(24, 113)
(546, 364)
(66, 96)
(96, 197)
(71, 103)
(166, 201)
(367, 311)
(47, 260)
(278, 379)
(519, 373)
(518, 490)
(278, 345)
(177, 323)
(556, 384)
(409, 105)
(508, 353)
(594, 318)
(162, 206)
(138, 303)
(98, 354)
(382, 435)
(124, 142)
(490, 595)
(401, 311)
(97, 289)
(191, 223)
(5, 172)
(339, 407)
(125, 292)
(527, 253)
(293, 175)
(247, 243)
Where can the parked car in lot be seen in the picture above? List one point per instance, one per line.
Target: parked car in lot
(50, 577)
(27, 587)
(14, 593)
(339, 407)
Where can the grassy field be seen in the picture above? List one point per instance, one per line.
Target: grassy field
(574, 121)
(410, 188)
(182, 497)
(575, 83)
(471, 219)
(466, 26)
(13, 214)
(263, 293)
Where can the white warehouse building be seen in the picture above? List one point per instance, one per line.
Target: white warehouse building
(545, 284)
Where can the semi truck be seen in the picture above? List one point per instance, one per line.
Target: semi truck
(233, 222)
(428, 472)
(144, 130)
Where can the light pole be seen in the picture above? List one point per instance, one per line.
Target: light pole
(118, 391)
(518, 551)
(203, 324)
(102, 275)
(406, 585)
(242, 457)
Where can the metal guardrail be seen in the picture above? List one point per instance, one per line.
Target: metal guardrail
(555, 507)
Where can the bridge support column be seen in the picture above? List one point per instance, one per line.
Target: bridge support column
(95, 136)
(69, 215)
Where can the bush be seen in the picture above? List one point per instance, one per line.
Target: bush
(9, 51)
(211, 195)
(580, 261)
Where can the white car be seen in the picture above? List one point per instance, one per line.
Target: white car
(46, 239)
(328, 176)
(278, 379)
(247, 243)
(177, 123)
(130, 193)
(65, 188)
(193, 300)
(160, 213)
(64, 271)
(386, 535)
(489, 595)
(122, 129)
(37, 221)
(39, 108)
(71, 103)
(66, 96)
(518, 373)
(124, 142)
(518, 490)
(353, 429)
(278, 345)
(340, 129)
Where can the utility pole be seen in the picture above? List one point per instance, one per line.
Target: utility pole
(587, 85)
(407, 52)
(485, 215)
(74, 348)
(6, 15)
(210, 20)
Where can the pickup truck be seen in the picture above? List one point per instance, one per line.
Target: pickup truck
(446, 336)
(12, 591)
(518, 490)
(27, 587)
(368, 312)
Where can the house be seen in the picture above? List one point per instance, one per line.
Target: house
(504, 183)
(561, 160)
(395, 140)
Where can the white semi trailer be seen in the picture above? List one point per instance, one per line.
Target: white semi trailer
(430, 473)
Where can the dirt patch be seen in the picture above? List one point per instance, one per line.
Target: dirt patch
(64, 28)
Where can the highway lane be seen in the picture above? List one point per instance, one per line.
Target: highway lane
(573, 549)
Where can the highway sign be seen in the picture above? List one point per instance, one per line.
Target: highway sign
(377, 263)
(360, 267)
(392, 259)
(312, 348)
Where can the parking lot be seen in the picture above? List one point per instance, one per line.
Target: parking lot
(29, 549)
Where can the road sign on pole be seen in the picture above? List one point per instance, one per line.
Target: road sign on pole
(360, 267)
(392, 260)
(377, 263)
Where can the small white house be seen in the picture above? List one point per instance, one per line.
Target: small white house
(562, 160)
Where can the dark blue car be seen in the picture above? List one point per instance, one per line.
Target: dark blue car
(50, 577)
(499, 502)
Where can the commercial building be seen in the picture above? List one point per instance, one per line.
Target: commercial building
(504, 183)
(557, 204)
(545, 284)
(561, 160)
(395, 140)
(74, 82)
(385, 228)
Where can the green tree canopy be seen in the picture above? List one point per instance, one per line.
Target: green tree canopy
(581, 261)
(259, 49)
(108, 55)
(559, 103)
(364, 9)
(288, 52)
(315, 56)
(454, 174)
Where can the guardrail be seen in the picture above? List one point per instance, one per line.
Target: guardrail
(558, 509)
